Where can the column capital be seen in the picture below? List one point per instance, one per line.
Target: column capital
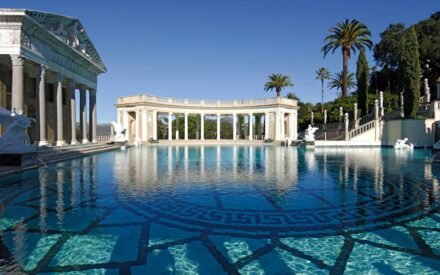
(59, 77)
(186, 114)
(17, 60)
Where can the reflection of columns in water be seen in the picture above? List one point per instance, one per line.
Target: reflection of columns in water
(60, 195)
(73, 176)
(234, 161)
(202, 162)
(429, 175)
(43, 199)
(291, 166)
(346, 168)
(83, 179)
(309, 157)
(186, 162)
(20, 243)
(93, 179)
(251, 161)
(219, 158)
(170, 163)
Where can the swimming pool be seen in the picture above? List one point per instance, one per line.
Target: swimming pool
(225, 209)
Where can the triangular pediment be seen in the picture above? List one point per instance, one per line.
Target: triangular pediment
(71, 31)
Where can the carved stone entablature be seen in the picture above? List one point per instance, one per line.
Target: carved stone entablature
(66, 43)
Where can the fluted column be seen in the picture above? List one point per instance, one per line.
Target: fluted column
(170, 126)
(283, 127)
(277, 126)
(251, 126)
(154, 125)
(186, 126)
(72, 103)
(137, 126)
(17, 100)
(92, 116)
(291, 126)
(41, 107)
(266, 125)
(202, 126)
(83, 115)
(59, 103)
(234, 127)
(144, 125)
(218, 127)
(295, 126)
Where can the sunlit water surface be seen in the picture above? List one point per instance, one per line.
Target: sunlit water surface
(225, 209)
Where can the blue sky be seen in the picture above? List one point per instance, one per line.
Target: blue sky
(219, 49)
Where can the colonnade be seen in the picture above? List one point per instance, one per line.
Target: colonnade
(278, 124)
(60, 82)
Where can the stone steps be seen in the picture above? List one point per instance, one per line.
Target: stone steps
(51, 155)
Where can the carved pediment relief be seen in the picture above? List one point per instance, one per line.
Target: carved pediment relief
(70, 31)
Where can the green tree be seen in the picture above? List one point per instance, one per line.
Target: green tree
(387, 51)
(410, 72)
(277, 82)
(322, 74)
(362, 79)
(293, 96)
(350, 35)
(337, 81)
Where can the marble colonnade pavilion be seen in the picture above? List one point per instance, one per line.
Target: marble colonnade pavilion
(44, 59)
(270, 118)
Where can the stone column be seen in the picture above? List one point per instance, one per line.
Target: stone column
(186, 126)
(277, 126)
(59, 103)
(347, 136)
(218, 127)
(144, 125)
(234, 126)
(295, 125)
(341, 115)
(17, 100)
(325, 118)
(170, 126)
(137, 126)
(251, 126)
(202, 126)
(382, 111)
(72, 103)
(155, 125)
(266, 125)
(283, 126)
(41, 114)
(83, 115)
(376, 109)
(312, 116)
(355, 115)
(92, 116)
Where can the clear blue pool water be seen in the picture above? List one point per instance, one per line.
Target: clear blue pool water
(225, 209)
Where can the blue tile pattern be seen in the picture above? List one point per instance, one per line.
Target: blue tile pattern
(224, 209)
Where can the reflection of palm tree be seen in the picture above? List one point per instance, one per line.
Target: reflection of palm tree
(337, 81)
(349, 36)
(277, 82)
(322, 74)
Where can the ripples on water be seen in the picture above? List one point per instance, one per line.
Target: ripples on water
(130, 206)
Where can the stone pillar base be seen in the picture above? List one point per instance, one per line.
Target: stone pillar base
(60, 143)
(74, 142)
(94, 140)
(41, 143)
(84, 141)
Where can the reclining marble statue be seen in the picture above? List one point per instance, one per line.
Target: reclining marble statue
(15, 146)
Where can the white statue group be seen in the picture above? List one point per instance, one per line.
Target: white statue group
(15, 138)
(401, 144)
(310, 133)
(119, 133)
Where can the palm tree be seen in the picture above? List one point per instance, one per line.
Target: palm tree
(337, 81)
(322, 74)
(293, 96)
(350, 36)
(277, 82)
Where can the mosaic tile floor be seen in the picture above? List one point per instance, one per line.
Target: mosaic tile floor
(225, 210)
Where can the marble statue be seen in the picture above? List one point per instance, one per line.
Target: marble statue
(119, 132)
(310, 133)
(427, 91)
(15, 138)
(401, 144)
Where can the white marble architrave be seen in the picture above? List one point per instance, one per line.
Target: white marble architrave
(276, 112)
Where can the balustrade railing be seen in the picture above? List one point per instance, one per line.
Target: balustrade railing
(178, 101)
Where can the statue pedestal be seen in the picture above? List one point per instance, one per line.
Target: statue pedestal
(18, 159)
